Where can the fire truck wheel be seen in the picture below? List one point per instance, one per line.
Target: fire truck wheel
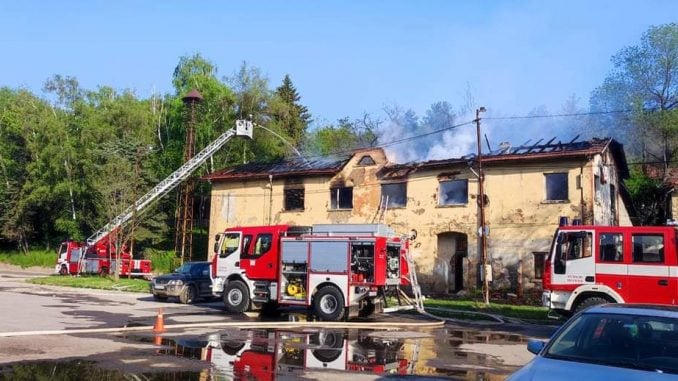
(188, 296)
(590, 301)
(328, 304)
(63, 270)
(236, 297)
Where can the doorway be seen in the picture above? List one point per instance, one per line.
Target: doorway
(452, 250)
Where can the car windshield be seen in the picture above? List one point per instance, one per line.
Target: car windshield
(629, 341)
(190, 268)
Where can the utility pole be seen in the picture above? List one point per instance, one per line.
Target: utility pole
(482, 229)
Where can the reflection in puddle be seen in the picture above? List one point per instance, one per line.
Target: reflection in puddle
(268, 354)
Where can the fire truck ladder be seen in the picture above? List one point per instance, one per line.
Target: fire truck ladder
(242, 128)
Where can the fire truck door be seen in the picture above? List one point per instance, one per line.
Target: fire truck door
(261, 261)
(229, 253)
(574, 263)
(612, 261)
(649, 280)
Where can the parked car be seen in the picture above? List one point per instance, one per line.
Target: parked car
(188, 282)
(609, 342)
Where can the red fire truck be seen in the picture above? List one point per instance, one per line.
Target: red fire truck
(265, 355)
(76, 257)
(97, 255)
(332, 268)
(591, 265)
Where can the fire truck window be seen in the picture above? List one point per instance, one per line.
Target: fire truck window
(263, 244)
(611, 247)
(648, 248)
(572, 246)
(63, 248)
(246, 240)
(230, 244)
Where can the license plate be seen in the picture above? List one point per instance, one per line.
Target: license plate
(160, 287)
(372, 293)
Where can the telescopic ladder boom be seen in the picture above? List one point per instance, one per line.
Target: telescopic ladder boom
(242, 128)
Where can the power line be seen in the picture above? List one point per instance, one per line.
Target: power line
(558, 115)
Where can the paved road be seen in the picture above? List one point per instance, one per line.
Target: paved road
(28, 307)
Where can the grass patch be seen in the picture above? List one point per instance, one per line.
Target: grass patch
(162, 262)
(508, 310)
(96, 282)
(40, 258)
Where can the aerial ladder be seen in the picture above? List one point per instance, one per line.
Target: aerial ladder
(242, 128)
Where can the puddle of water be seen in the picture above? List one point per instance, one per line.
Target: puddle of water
(267, 354)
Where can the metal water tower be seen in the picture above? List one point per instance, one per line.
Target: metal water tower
(183, 243)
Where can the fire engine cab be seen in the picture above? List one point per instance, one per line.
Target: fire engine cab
(333, 269)
(591, 265)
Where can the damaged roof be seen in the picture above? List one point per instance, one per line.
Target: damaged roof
(540, 150)
(293, 167)
(537, 151)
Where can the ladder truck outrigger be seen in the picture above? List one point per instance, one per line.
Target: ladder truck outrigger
(338, 270)
(97, 254)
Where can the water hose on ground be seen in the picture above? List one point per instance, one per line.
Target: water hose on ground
(241, 325)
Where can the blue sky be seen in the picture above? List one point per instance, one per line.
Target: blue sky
(345, 57)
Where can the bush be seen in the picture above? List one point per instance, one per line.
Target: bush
(40, 258)
(161, 261)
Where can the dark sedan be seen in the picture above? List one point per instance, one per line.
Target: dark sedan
(189, 282)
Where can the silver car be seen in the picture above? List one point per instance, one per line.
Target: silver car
(612, 342)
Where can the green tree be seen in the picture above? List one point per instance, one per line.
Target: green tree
(644, 78)
(286, 111)
(347, 135)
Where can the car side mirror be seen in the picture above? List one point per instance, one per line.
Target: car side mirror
(535, 346)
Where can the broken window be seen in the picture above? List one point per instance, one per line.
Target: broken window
(341, 198)
(294, 199)
(366, 160)
(453, 192)
(539, 258)
(394, 195)
(556, 186)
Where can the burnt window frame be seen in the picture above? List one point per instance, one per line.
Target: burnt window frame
(440, 192)
(550, 196)
(390, 204)
(335, 200)
(300, 199)
(366, 161)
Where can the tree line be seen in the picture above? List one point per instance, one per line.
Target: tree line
(73, 158)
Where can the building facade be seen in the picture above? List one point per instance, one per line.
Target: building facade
(527, 190)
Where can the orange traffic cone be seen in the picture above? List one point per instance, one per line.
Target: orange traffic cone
(159, 326)
(157, 340)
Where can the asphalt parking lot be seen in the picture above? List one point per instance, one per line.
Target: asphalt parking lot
(265, 350)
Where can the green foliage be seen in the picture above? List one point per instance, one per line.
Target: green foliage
(95, 282)
(162, 262)
(644, 78)
(74, 159)
(648, 196)
(341, 138)
(38, 258)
